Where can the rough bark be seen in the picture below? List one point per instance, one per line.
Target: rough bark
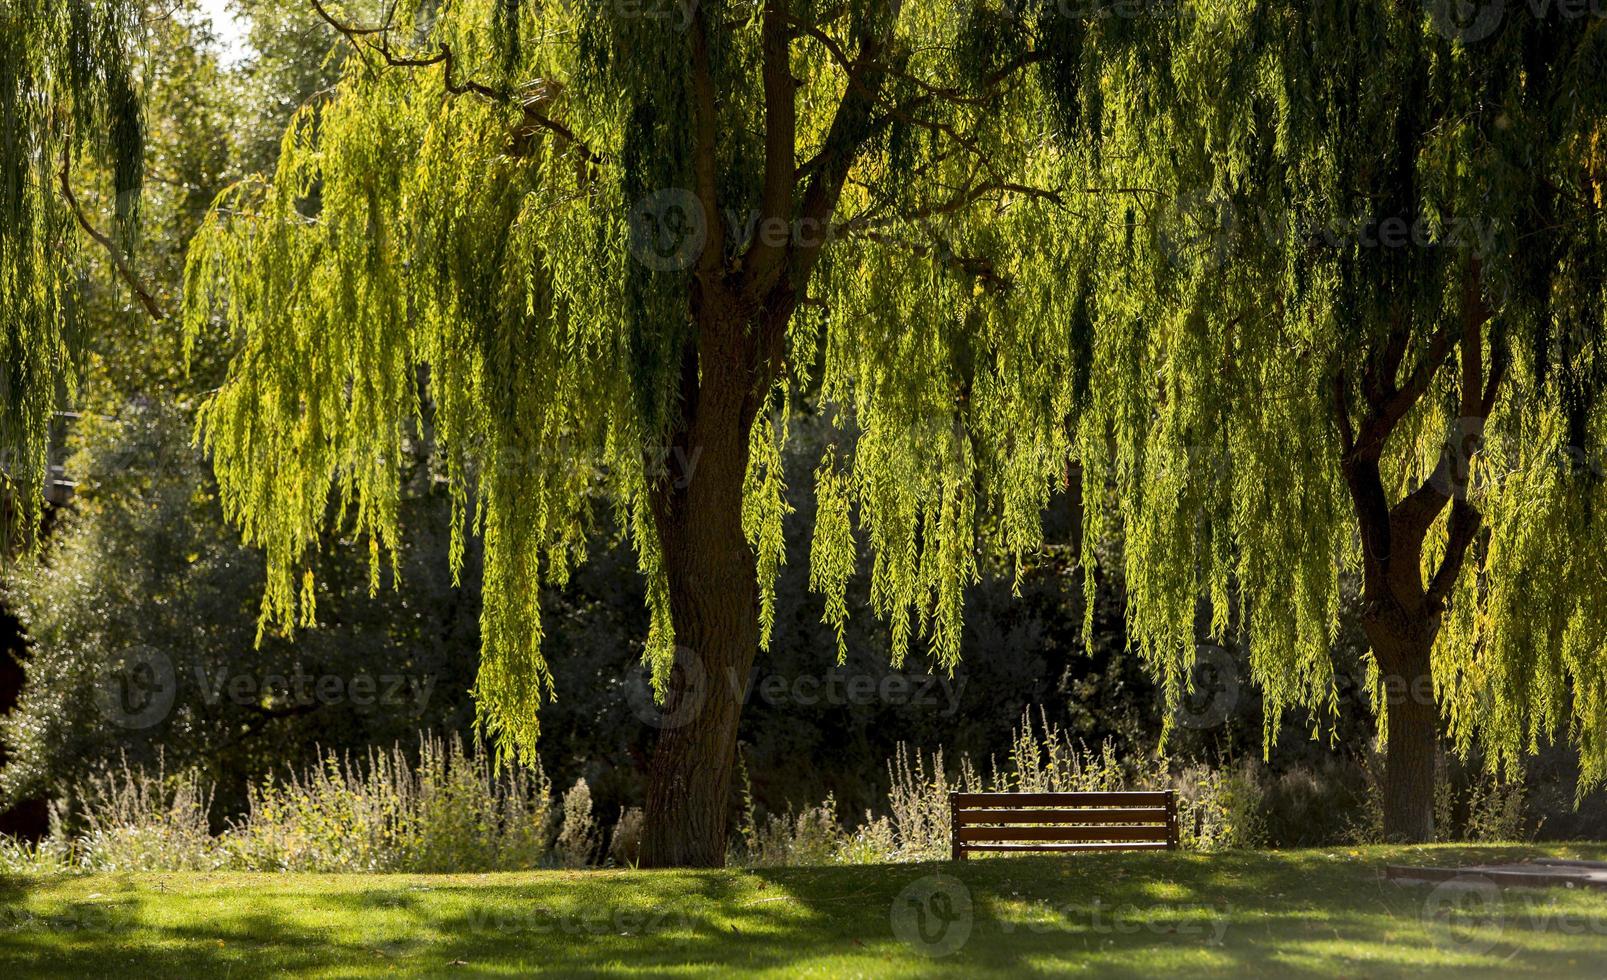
(1410, 750)
(713, 596)
(741, 306)
(689, 777)
(1401, 646)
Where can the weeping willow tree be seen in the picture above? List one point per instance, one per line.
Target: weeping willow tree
(1351, 321)
(605, 249)
(66, 91)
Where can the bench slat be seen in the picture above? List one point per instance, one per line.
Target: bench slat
(1069, 815)
(1106, 833)
(1016, 800)
(1040, 848)
(1091, 821)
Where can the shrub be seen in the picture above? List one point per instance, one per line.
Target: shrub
(1471, 804)
(1497, 810)
(450, 811)
(812, 836)
(578, 838)
(1215, 809)
(625, 844)
(143, 573)
(136, 820)
(873, 842)
(919, 801)
(52, 855)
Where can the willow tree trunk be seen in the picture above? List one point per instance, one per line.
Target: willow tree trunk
(711, 575)
(1409, 756)
(1411, 745)
(713, 597)
(1402, 612)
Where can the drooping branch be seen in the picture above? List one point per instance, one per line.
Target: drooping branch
(119, 260)
(1393, 536)
(979, 268)
(1411, 517)
(866, 220)
(1422, 506)
(850, 127)
(862, 115)
(802, 28)
(377, 41)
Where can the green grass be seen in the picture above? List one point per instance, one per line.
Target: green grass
(1319, 912)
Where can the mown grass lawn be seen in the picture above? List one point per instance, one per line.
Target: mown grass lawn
(1320, 912)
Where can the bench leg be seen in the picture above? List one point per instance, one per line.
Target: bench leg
(956, 852)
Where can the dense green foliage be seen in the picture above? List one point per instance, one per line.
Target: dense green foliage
(475, 216)
(1349, 251)
(68, 93)
(145, 575)
(142, 563)
(1326, 195)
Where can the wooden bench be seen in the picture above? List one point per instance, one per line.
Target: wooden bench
(1018, 822)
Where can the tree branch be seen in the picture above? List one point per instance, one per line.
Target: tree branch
(124, 269)
(363, 40)
(1464, 527)
(767, 251)
(1413, 515)
(978, 267)
(1388, 403)
(1347, 432)
(850, 126)
(704, 160)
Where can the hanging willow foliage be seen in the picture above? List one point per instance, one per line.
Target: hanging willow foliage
(66, 89)
(457, 230)
(1319, 181)
(1168, 251)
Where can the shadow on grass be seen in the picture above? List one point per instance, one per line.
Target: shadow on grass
(1292, 914)
(1305, 913)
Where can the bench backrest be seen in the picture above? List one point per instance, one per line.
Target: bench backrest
(988, 822)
